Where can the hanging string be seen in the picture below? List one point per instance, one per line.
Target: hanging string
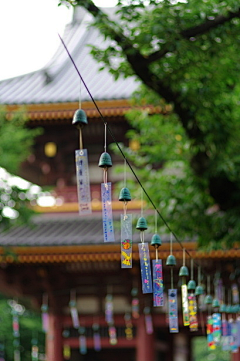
(192, 269)
(171, 243)
(120, 149)
(105, 137)
(155, 221)
(199, 275)
(125, 174)
(208, 285)
(80, 94)
(141, 202)
(171, 278)
(183, 256)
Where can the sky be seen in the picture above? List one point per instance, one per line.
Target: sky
(29, 33)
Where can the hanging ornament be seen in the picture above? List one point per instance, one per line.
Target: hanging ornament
(144, 255)
(82, 341)
(96, 337)
(112, 332)
(66, 352)
(211, 344)
(172, 295)
(45, 315)
(208, 298)
(34, 352)
(235, 293)
(192, 303)
(81, 159)
(148, 321)
(135, 303)
(105, 162)
(128, 326)
(109, 309)
(199, 293)
(73, 309)
(157, 270)
(126, 226)
(183, 273)
(15, 323)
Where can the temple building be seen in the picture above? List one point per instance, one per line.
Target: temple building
(63, 259)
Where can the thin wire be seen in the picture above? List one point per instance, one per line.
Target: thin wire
(183, 256)
(155, 221)
(171, 243)
(192, 269)
(105, 137)
(80, 95)
(199, 275)
(125, 173)
(141, 202)
(121, 151)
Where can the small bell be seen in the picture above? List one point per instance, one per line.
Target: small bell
(125, 195)
(215, 303)
(208, 300)
(105, 160)
(171, 260)
(156, 240)
(199, 290)
(79, 118)
(141, 224)
(191, 285)
(183, 272)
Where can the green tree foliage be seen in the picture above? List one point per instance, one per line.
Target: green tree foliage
(186, 55)
(15, 145)
(29, 329)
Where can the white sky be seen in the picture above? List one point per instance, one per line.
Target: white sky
(28, 33)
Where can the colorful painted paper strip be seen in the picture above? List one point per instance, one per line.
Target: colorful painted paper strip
(211, 344)
(145, 267)
(185, 309)
(157, 283)
(173, 311)
(126, 241)
(108, 231)
(216, 328)
(74, 315)
(192, 305)
(83, 185)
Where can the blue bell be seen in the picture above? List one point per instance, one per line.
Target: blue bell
(156, 240)
(105, 160)
(171, 260)
(125, 195)
(141, 224)
(79, 118)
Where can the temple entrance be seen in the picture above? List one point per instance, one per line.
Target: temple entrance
(116, 354)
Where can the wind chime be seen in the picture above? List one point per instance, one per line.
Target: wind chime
(73, 309)
(105, 163)
(128, 326)
(183, 273)
(208, 302)
(82, 340)
(172, 295)
(45, 315)
(199, 293)
(146, 275)
(16, 334)
(96, 337)
(135, 303)
(192, 302)
(157, 269)
(148, 320)
(81, 159)
(34, 352)
(126, 226)
(112, 332)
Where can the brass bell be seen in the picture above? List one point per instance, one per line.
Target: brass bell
(156, 240)
(141, 224)
(79, 118)
(171, 260)
(105, 160)
(183, 272)
(125, 195)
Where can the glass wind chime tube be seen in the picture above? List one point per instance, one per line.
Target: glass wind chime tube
(105, 162)
(157, 270)
(144, 257)
(126, 226)
(81, 159)
(172, 295)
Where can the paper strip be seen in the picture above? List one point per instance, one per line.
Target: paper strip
(83, 185)
(238, 331)
(97, 341)
(45, 322)
(135, 307)
(109, 309)
(15, 326)
(74, 315)
(192, 304)
(157, 283)
(233, 342)
(185, 309)
(173, 311)
(82, 344)
(126, 241)
(216, 328)
(145, 267)
(112, 335)
(108, 231)
(211, 344)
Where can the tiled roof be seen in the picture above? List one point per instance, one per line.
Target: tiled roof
(60, 230)
(58, 81)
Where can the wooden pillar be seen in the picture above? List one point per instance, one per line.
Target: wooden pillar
(54, 345)
(145, 344)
